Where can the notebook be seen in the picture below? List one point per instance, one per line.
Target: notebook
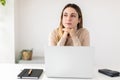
(30, 73)
(69, 61)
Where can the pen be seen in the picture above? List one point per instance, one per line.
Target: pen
(29, 72)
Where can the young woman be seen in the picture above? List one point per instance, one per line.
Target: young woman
(70, 31)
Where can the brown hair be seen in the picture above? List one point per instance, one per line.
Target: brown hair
(79, 25)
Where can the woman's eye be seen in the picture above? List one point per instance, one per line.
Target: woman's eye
(73, 16)
(65, 15)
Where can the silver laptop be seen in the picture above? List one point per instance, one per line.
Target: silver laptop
(69, 61)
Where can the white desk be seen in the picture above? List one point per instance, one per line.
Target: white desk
(10, 72)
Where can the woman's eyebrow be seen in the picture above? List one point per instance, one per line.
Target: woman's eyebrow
(73, 13)
(70, 13)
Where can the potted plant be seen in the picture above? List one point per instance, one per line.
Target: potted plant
(3, 2)
(27, 54)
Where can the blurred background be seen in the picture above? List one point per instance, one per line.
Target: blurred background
(26, 24)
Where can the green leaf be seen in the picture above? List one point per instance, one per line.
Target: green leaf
(3, 2)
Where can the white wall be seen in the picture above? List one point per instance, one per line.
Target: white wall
(36, 18)
(7, 32)
(104, 21)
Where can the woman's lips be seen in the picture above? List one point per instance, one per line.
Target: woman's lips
(69, 23)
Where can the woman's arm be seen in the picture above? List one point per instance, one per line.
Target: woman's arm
(75, 38)
(63, 39)
(86, 38)
(53, 39)
(76, 41)
(81, 39)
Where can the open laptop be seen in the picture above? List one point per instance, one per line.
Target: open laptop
(69, 61)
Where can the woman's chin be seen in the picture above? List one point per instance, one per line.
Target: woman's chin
(69, 27)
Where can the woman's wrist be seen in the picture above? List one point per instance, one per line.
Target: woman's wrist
(61, 42)
(65, 35)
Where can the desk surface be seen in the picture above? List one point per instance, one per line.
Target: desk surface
(10, 72)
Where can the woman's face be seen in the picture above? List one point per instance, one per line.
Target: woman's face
(70, 18)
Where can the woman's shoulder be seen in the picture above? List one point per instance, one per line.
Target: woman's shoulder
(83, 30)
(54, 31)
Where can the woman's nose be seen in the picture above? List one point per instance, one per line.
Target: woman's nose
(69, 18)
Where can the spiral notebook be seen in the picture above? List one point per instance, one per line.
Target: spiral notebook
(30, 73)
